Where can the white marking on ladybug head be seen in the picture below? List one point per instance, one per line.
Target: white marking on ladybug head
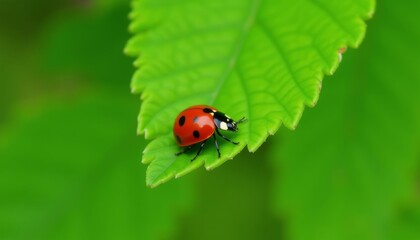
(223, 126)
(212, 113)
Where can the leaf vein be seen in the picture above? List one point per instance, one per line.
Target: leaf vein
(242, 83)
(281, 52)
(248, 23)
(184, 69)
(188, 35)
(328, 12)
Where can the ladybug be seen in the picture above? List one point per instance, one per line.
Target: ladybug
(197, 124)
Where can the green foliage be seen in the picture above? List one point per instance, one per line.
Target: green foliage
(350, 170)
(65, 52)
(68, 166)
(233, 202)
(69, 159)
(260, 59)
(61, 178)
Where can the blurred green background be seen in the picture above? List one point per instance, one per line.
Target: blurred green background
(70, 159)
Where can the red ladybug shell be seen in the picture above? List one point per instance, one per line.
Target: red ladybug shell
(193, 125)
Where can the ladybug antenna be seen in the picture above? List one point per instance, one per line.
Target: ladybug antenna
(243, 119)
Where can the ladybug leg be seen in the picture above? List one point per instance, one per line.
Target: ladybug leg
(184, 151)
(217, 144)
(199, 151)
(227, 139)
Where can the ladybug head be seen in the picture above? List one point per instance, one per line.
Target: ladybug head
(226, 123)
(232, 125)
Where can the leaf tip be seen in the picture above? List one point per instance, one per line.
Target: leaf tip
(341, 51)
(126, 51)
(371, 13)
(145, 150)
(252, 149)
(149, 184)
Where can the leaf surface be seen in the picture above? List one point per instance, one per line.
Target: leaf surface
(263, 60)
(351, 170)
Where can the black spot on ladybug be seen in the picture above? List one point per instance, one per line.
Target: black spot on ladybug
(196, 134)
(207, 110)
(195, 119)
(178, 139)
(181, 121)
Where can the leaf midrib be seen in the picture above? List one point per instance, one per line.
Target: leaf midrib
(248, 23)
(231, 63)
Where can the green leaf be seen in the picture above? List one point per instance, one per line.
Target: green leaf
(351, 170)
(263, 60)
